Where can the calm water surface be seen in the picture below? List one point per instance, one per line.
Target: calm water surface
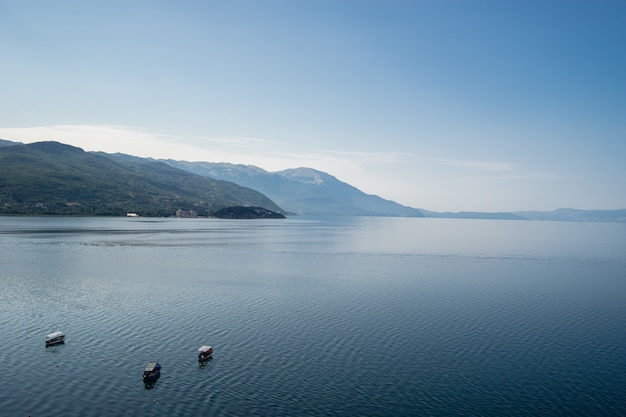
(313, 317)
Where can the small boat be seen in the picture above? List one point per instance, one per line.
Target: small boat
(152, 372)
(55, 338)
(205, 352)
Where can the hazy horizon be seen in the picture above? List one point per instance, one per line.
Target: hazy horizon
(423, 209)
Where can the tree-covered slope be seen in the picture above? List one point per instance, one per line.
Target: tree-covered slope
(53, 178)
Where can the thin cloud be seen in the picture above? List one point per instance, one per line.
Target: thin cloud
(489, 166)
(407, 178)
(141, 142)
(209, 142)
(266, 153)
(503, 170)
(543, 175)
(90, 137)
(372, 157)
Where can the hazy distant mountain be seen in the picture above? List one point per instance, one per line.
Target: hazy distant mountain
(303, 191)
(574, 215)
(53, 178)
(473, 215)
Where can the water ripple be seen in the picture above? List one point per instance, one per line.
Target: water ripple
(303, 322)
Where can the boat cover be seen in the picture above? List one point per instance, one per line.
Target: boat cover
(55, 334)
(204, 348)
(151, 366)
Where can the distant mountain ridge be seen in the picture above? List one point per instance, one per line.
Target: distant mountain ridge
(157, 187)
(308, 191)
(302, 191)
(575, 215)
(474, 215)
(4, 142)
(562, 214)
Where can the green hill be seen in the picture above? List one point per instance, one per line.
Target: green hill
(247, 213)
(53, 178)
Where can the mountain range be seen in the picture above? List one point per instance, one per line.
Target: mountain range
(53, 178)
(308, 191)
(302, 191)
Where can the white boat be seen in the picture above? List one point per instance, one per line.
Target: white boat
(205, 352)
(55, 338)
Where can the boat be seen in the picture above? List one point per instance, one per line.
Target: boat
(205, 352)
(152, 371)
(55, 338)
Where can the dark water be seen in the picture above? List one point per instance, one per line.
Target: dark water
(313, 317)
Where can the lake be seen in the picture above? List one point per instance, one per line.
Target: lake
(353, 316)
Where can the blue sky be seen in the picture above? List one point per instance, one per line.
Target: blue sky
(443, 105)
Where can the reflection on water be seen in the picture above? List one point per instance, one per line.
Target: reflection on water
(150, 384)
(354, 316)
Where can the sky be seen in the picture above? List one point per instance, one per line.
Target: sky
(442, 105)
